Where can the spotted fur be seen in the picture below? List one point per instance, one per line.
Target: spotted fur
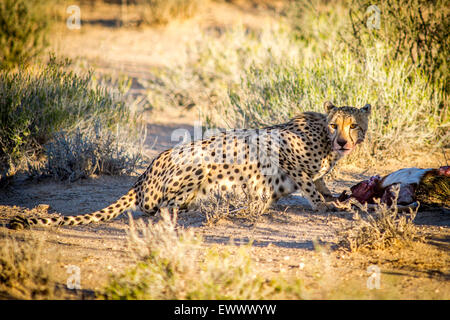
(271, 162)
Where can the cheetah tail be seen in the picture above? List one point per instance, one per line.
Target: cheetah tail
(112, 211)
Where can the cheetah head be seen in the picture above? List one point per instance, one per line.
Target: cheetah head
(347, 126)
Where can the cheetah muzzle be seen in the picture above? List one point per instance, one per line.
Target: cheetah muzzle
(271, 162)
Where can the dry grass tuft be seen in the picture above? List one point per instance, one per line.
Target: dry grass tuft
(173, 263)
(24, 271)
(233, 205)
(383, 228)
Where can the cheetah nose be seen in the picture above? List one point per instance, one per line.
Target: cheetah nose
(341, 143)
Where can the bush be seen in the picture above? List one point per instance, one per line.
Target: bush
(36, 103)
(418, 30)
(92, 150)
(23, 31)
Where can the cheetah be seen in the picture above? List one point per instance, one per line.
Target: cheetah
(273, 161)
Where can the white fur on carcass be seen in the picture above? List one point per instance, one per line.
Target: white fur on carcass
(404, 176)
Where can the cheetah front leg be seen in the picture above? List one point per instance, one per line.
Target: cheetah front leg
(294, 164)
(306, 184)
(314, 197)
(323, 189)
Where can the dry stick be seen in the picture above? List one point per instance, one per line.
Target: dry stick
(445, 156)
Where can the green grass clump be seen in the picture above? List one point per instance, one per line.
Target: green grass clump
(38, 102)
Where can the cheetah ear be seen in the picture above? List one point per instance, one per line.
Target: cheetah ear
(328, 106)
(366, 108)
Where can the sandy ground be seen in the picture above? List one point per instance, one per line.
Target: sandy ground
(283, 239)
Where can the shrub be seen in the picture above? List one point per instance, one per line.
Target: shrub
(36, 103)
(91, 150)
(23, 31)
(418, 30)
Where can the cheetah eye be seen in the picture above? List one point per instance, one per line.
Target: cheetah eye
(333, 126)
(353, 126)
